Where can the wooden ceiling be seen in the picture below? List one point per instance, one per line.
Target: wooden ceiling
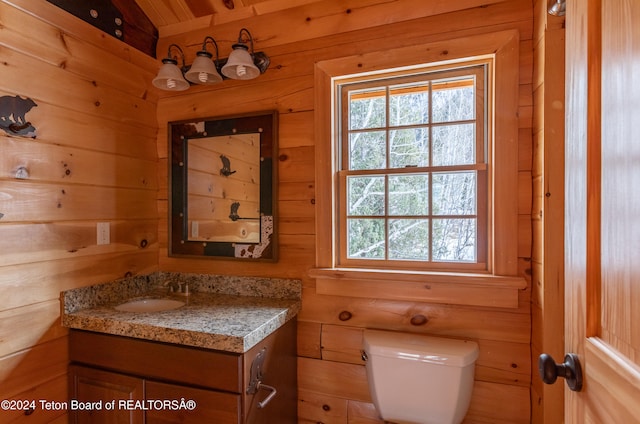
(144, 22)
(168, 16)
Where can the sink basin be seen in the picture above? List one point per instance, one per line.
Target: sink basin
(149, 305)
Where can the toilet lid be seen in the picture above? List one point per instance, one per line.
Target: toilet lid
(420, 347)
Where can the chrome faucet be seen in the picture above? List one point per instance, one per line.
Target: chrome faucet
(178, 288)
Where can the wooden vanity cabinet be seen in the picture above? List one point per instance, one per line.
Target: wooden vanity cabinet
(106, 368)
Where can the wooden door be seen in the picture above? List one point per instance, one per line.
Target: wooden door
(99, 394)
(602, 228)
(210, 406)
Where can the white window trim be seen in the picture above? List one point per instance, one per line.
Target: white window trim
(498, 288)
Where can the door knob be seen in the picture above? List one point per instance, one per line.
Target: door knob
(570, 370)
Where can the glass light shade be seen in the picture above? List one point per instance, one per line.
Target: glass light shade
(559, 8)
(240, 64)
(170, 77)
(203, 70)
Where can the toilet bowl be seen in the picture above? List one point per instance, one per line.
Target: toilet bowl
(418, 379)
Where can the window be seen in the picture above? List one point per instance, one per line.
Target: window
(388, 172)
(413, 173)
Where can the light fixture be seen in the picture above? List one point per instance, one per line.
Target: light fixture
(558, 8)
(170, 76)
(240, 64)
(204, 70)
(243, 64)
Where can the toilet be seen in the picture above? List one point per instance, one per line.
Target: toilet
(418, 379)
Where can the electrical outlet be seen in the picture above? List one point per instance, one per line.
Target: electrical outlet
(104, 232)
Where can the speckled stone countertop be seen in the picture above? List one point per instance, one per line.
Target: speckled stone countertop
(225, 313)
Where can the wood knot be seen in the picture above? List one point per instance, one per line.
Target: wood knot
(419, 320)
(326, 407)
(345, 316)
(283, 157)
(22, 173)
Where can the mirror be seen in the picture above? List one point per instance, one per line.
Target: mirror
(222, 178)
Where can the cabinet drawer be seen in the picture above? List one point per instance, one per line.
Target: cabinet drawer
(210, 407)
(163, 361)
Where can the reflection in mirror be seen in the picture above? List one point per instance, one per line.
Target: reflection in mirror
(223, 188)
(222, 179)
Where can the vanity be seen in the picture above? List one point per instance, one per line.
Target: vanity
(226, 355)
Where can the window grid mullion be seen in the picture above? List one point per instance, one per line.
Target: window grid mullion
(386, 174)
(430, 178)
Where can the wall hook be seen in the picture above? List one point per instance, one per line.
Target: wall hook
(234, 211)
(226, 166)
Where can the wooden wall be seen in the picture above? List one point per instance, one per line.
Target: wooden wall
(94, 160)
(547, 303)
(331, 375)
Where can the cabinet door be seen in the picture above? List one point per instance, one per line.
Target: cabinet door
(278, 370)
(210, 406)
(98, 395)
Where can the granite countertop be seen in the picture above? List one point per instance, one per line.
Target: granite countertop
(224, 313)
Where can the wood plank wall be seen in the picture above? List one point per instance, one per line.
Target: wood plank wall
(547, 296)
(94, 160)
(332, 381)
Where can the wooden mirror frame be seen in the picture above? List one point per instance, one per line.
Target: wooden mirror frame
(264, 123)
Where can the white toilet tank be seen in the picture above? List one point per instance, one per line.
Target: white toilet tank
(418, 379)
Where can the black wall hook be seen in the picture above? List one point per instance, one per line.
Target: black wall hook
(234, 211)
(226, 166)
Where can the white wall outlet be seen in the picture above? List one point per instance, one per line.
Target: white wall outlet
(195, 229)
(104, 232)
